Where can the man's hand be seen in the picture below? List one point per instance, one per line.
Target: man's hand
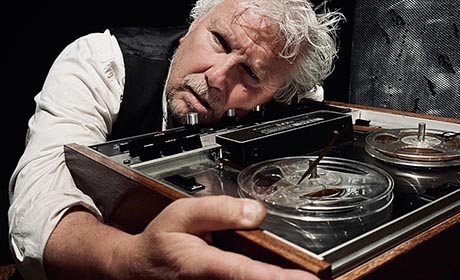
(175, 245)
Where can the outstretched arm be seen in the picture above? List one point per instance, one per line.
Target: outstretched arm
(173, 245)
(78, 103)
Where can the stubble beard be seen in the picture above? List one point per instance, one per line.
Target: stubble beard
(179, 106)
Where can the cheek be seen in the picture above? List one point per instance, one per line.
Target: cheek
(191, 58)
(198, 52)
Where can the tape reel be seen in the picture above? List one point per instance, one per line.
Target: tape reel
(343, 199)
(340, 189)
(415, 147)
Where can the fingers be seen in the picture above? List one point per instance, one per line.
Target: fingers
(170, 233)
(210, 213)
(227, 265)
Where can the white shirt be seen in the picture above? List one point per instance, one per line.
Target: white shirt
(78, 103)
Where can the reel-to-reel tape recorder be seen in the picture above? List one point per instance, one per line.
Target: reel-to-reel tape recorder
(337, 194)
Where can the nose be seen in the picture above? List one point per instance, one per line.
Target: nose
(218, 75)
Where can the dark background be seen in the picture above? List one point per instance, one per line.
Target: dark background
(36, 33)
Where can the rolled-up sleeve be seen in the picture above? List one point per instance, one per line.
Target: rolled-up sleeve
(78, 103)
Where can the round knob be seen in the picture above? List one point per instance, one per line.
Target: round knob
(231, 113)
(258, 108)
(192, 118)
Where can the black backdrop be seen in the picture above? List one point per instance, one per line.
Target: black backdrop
(37, 32)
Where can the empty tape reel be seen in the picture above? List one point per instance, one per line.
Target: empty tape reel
(415, 147)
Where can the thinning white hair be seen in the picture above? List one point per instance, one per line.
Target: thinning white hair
(309, 35)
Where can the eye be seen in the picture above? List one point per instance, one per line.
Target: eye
(249, 71)
(220, 40)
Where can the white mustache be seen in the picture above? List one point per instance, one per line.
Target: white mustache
(211, 96)
(197, 83)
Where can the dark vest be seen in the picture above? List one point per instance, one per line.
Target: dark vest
(146, 53)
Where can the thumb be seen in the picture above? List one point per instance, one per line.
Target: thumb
(200, 215)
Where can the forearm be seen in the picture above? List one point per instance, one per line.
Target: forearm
(81, 247)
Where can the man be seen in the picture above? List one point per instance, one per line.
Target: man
(236, 54)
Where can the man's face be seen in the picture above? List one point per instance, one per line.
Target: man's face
(225, 62)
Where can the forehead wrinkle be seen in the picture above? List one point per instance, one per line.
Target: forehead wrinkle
(261, 35)
(258, 32)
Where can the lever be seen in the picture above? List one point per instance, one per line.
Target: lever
(326, 150)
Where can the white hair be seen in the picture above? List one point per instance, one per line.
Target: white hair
(309, 36)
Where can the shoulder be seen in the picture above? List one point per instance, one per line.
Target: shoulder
(100, 50)
(94, 58)
(99, 44)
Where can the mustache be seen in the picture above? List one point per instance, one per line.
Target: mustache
(198, 85)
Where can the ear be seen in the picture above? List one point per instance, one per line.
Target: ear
(190, 29)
